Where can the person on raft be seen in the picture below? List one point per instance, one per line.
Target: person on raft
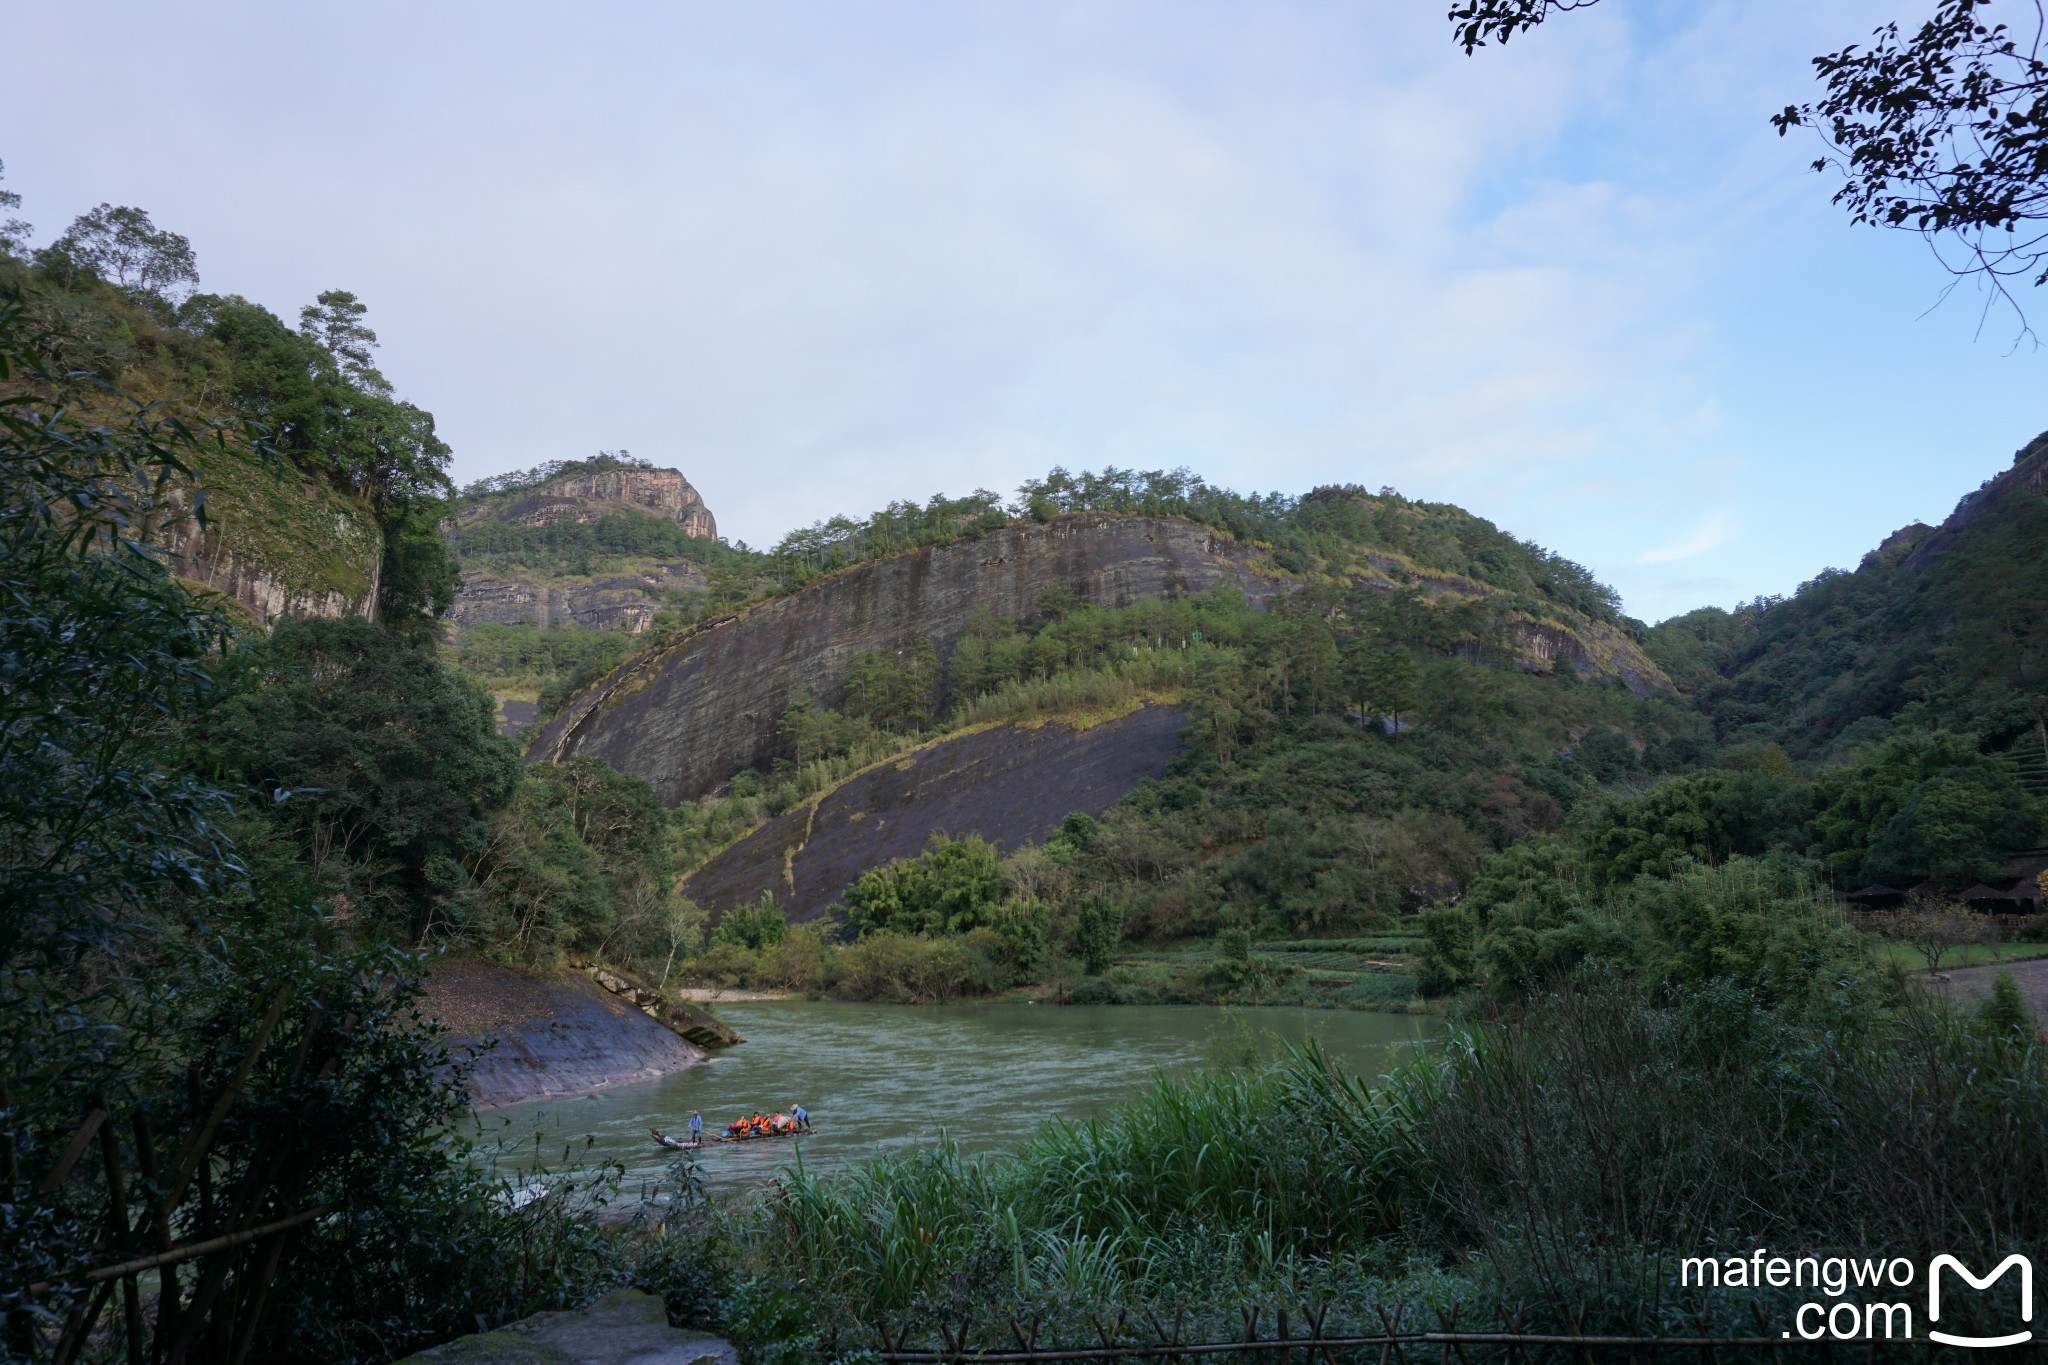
(799, 1117)
(696, 1129)
(665, 1140)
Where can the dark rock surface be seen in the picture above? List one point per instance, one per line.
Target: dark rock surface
(2028, 474)
(558, 1033)
(512, 714)
(623, 1328)
(690, 714)
(1007, 784)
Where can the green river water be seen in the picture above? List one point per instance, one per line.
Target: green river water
(878, 1078)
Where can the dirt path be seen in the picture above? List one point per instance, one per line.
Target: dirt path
(1968, 985)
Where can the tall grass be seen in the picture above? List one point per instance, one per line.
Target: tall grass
(1560, 1160)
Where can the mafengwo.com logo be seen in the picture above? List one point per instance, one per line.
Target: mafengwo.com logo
(1859, 1298)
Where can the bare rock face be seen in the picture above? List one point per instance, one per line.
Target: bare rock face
(688, 715)
(2028, 474)
(554, 1033)
(611, 602)
(274, 546)
(1009, 784)
(619, 601)
(264, 589)
(586, 497)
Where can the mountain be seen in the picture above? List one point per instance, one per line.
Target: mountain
(596, 544)
(1938, 628)
(1328, 707)
(692, 713)
(311, 467)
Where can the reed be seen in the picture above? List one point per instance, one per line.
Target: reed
(1558, 1160)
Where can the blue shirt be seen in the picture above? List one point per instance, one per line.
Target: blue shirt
(696, 1124)
(796, 1111)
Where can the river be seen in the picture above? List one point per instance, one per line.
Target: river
(877, 1078)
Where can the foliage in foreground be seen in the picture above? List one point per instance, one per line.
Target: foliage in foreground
(167, 963)
(1552, 1159)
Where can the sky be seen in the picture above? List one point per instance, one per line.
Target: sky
(821, 257)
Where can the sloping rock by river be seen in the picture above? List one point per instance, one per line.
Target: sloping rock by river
(557, 1033)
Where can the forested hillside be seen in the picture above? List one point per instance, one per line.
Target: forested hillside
(1939, 629)
(344, 519)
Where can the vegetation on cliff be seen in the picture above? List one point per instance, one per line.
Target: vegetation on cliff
(112, 297)
(1351, 756)
(1329, 532)
(177, 973)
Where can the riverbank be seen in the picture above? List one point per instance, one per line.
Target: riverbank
(1365, 972)
(529, 1035)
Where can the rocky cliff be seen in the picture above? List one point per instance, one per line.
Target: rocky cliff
(586, 497)
(529, 1035)
(691, 713)
(622, 601)
(1007, 784)
(2028, 474)
(276, 544)
(624, 593)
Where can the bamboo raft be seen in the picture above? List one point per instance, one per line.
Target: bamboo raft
(673, 1145)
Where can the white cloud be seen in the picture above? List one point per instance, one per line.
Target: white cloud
(820, 257)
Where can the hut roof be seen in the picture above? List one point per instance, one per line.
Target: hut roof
(1981, 892)
(1873, 891)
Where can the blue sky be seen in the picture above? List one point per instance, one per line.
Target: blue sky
(823, 256)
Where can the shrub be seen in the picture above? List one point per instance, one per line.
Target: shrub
(1098, 929)
(798, 963)
(759, 926)
(1023, 931)
(899, 968)
(950, 888)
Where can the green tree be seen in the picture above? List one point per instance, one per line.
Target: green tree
(1705, 817)
(893, 692)
(335, 321)
(1098, 929)
(1384, 680)
(1940, 133)
(1918, 803)
(757, 927)
(105, 662)
(14, 233)
(160, 952)
(950, 888)
(122, 246)
(1953, 828)
(1025, 930)
(2004, 1014)
(384, 762)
